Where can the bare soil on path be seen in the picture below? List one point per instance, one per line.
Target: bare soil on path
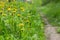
(50, 31)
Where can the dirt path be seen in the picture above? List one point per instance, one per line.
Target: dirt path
(50, 31)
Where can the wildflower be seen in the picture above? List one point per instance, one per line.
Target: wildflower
(21, 24)
(2, 4)
(9, 9)
(22, 8)
(18, 15)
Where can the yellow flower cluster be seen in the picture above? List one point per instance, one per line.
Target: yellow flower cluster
(22, 8)
(21, 24)
(2, 4)
(18, 15)
(9, 9)
(15, 9)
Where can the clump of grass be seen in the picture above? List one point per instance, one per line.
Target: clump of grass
(20, 21)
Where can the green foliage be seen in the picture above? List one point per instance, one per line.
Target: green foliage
(58, 30)
(20, 21)
(52, 12)
(44, 2)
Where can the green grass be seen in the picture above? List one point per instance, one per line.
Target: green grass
(20, 21)
(52, 12)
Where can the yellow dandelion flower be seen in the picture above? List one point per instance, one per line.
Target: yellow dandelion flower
(21, 24)
(9, 9)
(18, 15)
(22, 9)
(2, 4)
